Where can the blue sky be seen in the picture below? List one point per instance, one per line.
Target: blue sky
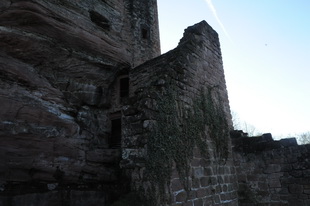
(266, 53)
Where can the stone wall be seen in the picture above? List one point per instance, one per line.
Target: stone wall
(272, 172)
(172, 150)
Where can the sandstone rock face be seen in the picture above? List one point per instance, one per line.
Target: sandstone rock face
(59, 62)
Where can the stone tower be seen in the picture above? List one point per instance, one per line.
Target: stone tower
(143, 17)
(132, 25)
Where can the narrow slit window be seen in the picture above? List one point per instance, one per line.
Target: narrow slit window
(144, 33)
(116, 134)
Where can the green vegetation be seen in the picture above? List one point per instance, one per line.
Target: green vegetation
(179, 130)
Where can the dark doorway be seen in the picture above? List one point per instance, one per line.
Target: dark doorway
(116, 134)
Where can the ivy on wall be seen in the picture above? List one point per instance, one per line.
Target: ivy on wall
(179, 130)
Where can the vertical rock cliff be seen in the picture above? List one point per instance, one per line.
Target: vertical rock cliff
(59, 64)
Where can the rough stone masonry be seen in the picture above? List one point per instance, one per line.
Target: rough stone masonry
(92, 114)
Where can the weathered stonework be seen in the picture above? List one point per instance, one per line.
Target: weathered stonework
(165, 113)
(91, 114)
(272, 172)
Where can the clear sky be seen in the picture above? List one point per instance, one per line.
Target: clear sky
(266, 53)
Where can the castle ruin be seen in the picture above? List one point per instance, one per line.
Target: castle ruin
(92, 114)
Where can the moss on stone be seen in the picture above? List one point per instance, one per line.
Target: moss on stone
(178, 131)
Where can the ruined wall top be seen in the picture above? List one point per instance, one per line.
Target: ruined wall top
(179, 112)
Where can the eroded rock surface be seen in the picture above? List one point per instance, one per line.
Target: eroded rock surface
(59, 61)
